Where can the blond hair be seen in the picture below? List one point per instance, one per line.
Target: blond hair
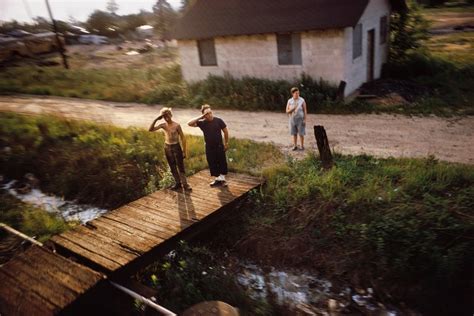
(205, 107)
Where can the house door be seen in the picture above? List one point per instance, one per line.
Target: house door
(370, 54)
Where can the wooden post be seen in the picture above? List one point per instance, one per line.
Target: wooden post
(323, 146)
(340, 91)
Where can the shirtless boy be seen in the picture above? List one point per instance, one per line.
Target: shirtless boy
(174, 153)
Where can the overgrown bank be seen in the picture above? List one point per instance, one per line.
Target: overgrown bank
(401, 226)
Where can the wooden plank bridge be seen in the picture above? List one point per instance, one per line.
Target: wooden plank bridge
(115, 244)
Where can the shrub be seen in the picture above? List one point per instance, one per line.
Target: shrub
(251, 93)
(191, 275)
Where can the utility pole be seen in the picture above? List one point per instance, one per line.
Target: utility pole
(60, 45)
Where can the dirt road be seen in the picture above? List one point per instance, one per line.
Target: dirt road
(449, 139)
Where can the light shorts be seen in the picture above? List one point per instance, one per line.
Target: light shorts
(297, 126)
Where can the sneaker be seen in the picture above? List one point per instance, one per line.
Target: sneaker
(302, 147)
(187, 187)
(215, 183)
(176, 186)
(295, 148)
(223, 183)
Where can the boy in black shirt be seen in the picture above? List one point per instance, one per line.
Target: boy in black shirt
(213, 127)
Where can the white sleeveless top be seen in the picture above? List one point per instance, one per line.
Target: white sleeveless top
(299, 113)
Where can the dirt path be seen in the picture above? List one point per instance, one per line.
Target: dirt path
(450, 139)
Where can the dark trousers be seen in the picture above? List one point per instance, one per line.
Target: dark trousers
(174, 156)
(217, 160)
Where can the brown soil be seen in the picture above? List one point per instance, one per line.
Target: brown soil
(449, 139)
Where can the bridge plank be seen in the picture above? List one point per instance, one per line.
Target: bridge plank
(135, 242)
(99, 246)
(144, 238)
(16, 299)
(40, 282)
(120, 236)
(108, 264)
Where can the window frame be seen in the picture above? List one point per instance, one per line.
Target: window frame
(203, 61)
(357, 38)
(293, 41)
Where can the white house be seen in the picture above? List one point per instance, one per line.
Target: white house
(337, 40)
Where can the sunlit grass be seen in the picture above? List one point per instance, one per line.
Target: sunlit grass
(457, 48)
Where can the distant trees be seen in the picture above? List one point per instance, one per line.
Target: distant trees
(112, 7)
(165, 17)
(101, 22)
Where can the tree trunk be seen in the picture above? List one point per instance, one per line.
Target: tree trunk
(323, 146)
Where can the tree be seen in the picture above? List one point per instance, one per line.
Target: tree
(101, 22)
(184, 5)
(407, 31)
(128, 23)
(165, 17)
(112, 7)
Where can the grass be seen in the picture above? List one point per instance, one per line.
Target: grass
(402, 226)
(458, 48)
(121, 85)
(30, 220)
(445, 85)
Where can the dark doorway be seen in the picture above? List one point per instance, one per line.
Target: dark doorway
(370, 54)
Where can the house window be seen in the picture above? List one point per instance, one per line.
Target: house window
(357, 41)
(383, 29)
(207, 52)
(289, 49)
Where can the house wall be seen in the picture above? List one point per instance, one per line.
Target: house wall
(326, 54)
(257, 56)
(356, 69)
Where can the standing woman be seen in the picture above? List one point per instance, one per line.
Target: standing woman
(296, 110)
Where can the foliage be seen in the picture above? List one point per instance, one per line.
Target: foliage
(449, 85)
(104, 165)
(251, 93)
(165, 17)
(407, 31)
(29, 220)
(102, 23)
(190, 275)
(405, 226)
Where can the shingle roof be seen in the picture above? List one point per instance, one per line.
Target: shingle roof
(211, 18)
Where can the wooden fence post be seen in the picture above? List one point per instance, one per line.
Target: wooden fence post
(323, 146)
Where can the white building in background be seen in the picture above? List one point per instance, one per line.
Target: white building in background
(145, 31)
(336, 40)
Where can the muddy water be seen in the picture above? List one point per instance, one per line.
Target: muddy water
(302, 293)
(68, 210)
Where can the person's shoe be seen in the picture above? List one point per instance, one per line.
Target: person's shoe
(223, 183)
(187, 187)
(176, 186)
(302, 147)
(215, 183)
(295, 148)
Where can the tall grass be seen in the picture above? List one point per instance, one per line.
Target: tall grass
(448, 84)
(403, 226)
